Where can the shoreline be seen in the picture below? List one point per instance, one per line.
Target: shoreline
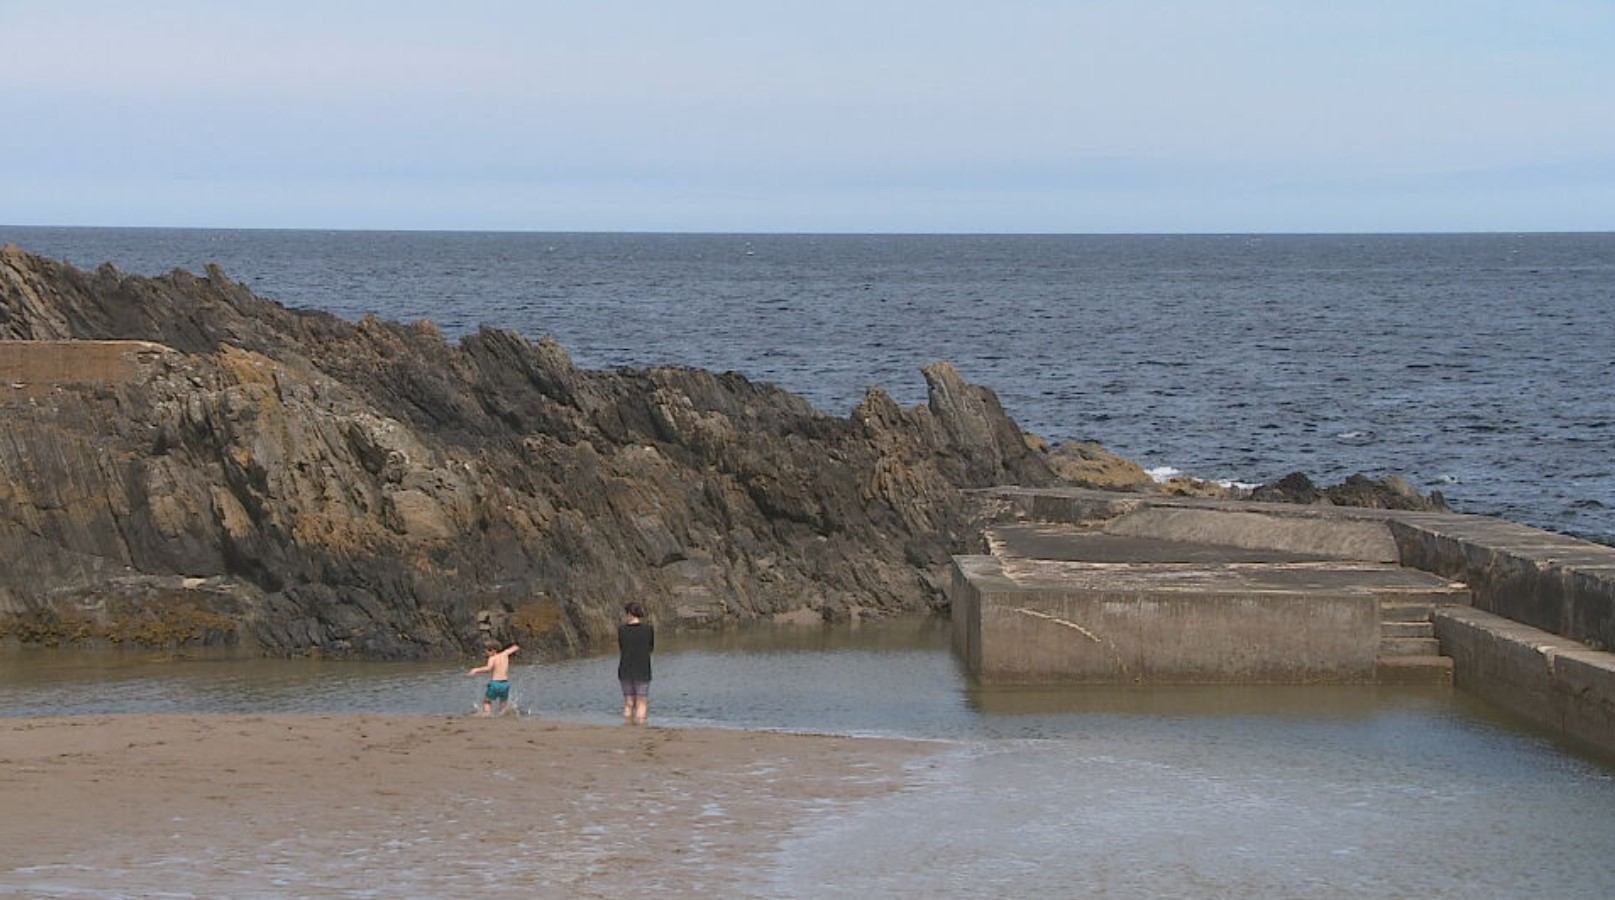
(415, 804)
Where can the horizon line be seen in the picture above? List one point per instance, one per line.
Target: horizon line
(832, 233)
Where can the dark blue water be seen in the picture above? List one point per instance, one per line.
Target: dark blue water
(1477, 364)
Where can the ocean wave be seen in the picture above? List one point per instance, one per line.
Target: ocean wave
(1357, 438)
(1163, 474)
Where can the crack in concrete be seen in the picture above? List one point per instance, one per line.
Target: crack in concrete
(1059, 621)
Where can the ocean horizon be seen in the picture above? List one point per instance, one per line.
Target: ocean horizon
(1466, 362)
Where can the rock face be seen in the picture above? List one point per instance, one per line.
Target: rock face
(1088, 464)
(190, 462)
(1391, 492)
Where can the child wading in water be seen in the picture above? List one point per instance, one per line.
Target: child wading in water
(498, 669)
(636, 639)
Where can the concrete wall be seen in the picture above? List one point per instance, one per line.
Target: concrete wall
(1534, 643)
(1361, 539)
(1550, 581)
(1074, 506)
(1030, 633)
(1550, 680)
(965, 614)
(1335, 532)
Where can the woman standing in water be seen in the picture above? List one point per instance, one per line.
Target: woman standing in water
(636, 638)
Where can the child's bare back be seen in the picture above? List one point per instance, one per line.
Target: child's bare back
(498, 669)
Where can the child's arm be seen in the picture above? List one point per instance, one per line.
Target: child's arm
(511, 649)
(486, 667)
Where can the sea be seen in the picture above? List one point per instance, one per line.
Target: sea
(1480, 365)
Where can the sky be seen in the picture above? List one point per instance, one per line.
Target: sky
(1013, 116)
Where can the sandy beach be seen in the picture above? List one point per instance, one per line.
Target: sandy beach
(412, 805)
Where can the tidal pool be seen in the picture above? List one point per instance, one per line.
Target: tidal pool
(1157, 792)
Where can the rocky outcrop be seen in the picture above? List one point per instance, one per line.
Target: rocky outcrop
(226, 469)
(1089, 464)
(1391, 492)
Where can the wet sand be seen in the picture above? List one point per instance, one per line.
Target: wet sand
(413, 805)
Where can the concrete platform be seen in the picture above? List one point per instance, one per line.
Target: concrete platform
(1092, 585)
(1042, 540)
(1058, 603)
(1554, 582)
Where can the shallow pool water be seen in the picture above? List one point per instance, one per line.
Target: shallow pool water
(1191, 792)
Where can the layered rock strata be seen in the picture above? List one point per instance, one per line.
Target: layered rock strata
(182, 460)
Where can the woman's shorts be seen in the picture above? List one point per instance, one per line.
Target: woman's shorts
(635, 690)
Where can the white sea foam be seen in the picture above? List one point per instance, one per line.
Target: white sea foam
(1357, 437)
(1163, 474)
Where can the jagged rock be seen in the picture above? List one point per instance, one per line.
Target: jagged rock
(1391, 492)
(193, 462)
(1089, 464)
(1295, 487)
(1188, 486)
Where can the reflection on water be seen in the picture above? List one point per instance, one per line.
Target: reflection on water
(890, 678)
(1168, 791)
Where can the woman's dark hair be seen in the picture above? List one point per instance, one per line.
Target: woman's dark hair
(634, 608)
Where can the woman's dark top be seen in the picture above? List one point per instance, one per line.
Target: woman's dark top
(636, 642)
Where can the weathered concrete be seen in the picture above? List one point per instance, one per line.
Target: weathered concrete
(1544, 603)
(1174, 612)
(1408, 650)
(1551, 680)
(1327, 538)
(1419, 670)
(1034, 540)
(1555, 582)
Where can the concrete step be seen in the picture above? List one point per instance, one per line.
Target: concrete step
(1452, 594)
(1407, 629)
(1436, 670)
(1408, 646)
(1402, 611)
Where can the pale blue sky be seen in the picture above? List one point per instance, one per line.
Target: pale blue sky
(694, 115)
